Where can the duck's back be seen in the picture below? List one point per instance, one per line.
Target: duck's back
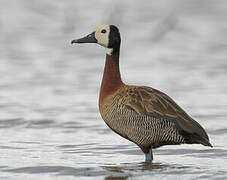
(150, 118)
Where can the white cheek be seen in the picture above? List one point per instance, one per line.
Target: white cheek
(103, 41)
(109, 51)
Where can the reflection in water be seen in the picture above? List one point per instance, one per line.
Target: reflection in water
(116, 172)
(122, 172)
(116, 178)
(125, 171)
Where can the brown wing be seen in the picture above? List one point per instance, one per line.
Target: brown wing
(148, 101)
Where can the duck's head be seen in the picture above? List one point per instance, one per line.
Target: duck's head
(105, 35)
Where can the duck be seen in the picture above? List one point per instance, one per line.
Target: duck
(141, 114)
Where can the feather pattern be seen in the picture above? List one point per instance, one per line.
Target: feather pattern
(150, 118)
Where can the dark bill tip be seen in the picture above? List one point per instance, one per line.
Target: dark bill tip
(74, 41)
(87, 39)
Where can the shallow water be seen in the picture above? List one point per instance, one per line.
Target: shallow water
(50, 127)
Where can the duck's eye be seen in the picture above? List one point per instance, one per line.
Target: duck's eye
(103, 31)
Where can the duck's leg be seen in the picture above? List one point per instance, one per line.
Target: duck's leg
(149, 156)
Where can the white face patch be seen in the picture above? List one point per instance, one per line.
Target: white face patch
(102, 35)
(109, 51)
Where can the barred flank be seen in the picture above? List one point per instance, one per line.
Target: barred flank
(141, 129)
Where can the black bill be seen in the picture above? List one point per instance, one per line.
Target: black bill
(87, 39)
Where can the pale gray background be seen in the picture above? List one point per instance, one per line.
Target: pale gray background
(50, 127)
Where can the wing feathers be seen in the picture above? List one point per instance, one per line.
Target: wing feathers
(148, 101)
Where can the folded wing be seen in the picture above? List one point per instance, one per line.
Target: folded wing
(148, 101)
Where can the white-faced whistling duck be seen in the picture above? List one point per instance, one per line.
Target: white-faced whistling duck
(141, 114)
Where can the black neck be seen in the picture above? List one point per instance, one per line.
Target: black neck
(114, 43)
(115, 55)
